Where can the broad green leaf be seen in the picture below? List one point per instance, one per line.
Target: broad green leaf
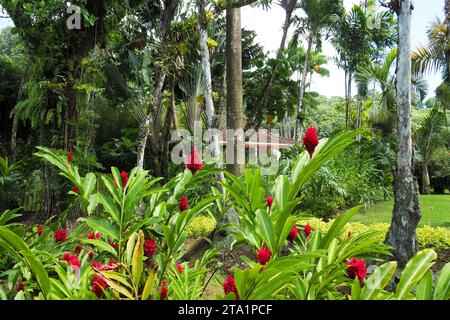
(442, 287)
(28, 257)
(378, 280)
(264, 225)
(103, 246)
(414, 270)
(104, 226)
(424, 290)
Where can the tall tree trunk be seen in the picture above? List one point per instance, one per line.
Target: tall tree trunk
(406, 214)
(260, 103)
(211, 119)
(145, 127)
(447, 22)
(425, 178)
(235, 112)
(359, 112)
(301, 93)
(348, 100)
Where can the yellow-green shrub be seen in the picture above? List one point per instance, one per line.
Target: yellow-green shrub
(436, 237)
(201, 226)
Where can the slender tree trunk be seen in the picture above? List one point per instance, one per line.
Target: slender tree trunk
(425, 178)
(348, 100)
(211, 120)
(235, 112)
(301, 93)
(359, 120)
(268, 84)
(145, 127)
(406, 214)
(447, 22)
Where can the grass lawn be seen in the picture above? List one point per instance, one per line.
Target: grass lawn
(435, 211)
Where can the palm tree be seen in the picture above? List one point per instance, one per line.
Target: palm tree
(288, 7)
(235, 112)
(382, 75)
(320, 15)
(434, 56)
(406, 213)
(207, 85)
(428, 137)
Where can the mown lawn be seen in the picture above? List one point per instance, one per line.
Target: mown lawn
(435, 211)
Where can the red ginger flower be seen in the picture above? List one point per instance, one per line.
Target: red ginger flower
(124, 177)
(150, 248)
(183, 203)
(264, 255)
(310, 141)
(97, 265)
(114, 245)
(72, 260)
(94, 236)
(356, 268)
(194, 163)
(40, 229)
(163, 290)
(75, 189)
(20, 286)
(293, 234)
(269, 201)
(230, 286)
(98, 284)
(69, 157)
(77, 250)
(307, 230)
(179, 268)
(60, 235)
(91, 255)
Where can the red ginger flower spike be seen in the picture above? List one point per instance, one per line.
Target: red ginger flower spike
(307, 230)
(97, 235)
(163, 290)
(310, 141)
(179, 268)
(293, 234)
(60, 235)
(69, 157)
(356, 268)
(98, 284)
(20, 286)
(230, 286)
(91, 255)
(264, 255)
(77, 250)
(150, 248)
(194, 163)
(75, 189)
(183, 204)
(40, 229)
(124, 177)
(269, 201)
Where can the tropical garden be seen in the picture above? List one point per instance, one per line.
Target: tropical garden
(154, 150)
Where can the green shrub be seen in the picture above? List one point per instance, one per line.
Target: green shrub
(440, 170)
(201, 226)
(434, 237)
